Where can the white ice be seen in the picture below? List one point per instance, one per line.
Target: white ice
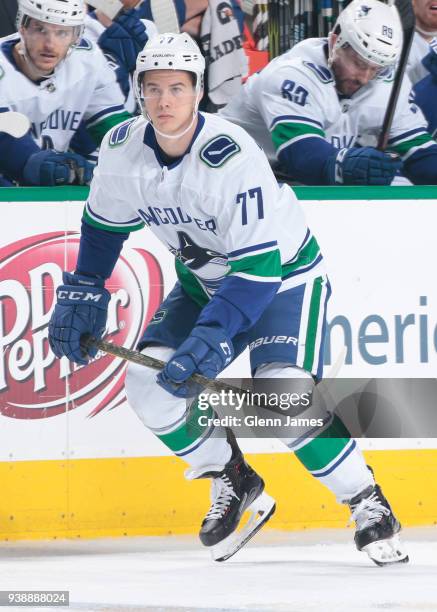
(316, 570)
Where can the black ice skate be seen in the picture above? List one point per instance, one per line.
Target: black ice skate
(378, 529)
(235, 489)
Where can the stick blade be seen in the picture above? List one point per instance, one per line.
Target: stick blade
(14, 124)
(110, 8)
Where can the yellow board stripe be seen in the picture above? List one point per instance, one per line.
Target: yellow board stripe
(149, 496)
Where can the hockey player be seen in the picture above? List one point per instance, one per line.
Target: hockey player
(425, 91)
(425, 38)
(120, 40)
(318, 109)
(57, 79)
(248, 268)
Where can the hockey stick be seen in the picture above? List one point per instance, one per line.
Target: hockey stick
(218, 386)
(408, 21)
(110, 8)
(165, 16)
(273, 28)
(14, 124)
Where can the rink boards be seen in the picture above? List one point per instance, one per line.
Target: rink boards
(74, 459)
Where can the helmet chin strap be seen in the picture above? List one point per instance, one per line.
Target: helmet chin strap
(172, 136)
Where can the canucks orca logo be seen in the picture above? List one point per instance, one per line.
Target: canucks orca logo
(194, 256)
(364, 10)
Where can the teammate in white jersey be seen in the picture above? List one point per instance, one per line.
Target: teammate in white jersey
(318, 109)
(57, 79)
(424, 39)
(425, 91)
(250, 275)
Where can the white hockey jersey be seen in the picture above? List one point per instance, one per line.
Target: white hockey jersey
(83, 87)
(218, 209)
(295, 98)
(419, 49)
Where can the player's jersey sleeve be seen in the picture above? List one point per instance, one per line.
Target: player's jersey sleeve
(106, 107)
(292, 105)
(411, 140)
(425, 97)
(247, 222)
(408, 133)
(293, 101)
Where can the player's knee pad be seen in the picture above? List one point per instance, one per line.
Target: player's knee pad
(285, 382)
(155, 407)
(289, 390)
(281, 370)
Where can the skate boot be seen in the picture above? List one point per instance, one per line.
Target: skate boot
(377, 528)
(235, 489)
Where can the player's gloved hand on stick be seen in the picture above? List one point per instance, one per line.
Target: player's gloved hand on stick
(50, 168)
(124, 39)
(363, 166)
(207, 351)
(81, 308)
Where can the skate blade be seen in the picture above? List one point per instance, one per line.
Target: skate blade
(387, 552)
(261, 509)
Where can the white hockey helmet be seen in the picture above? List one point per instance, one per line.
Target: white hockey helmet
(373, 29)
(169, 52)
(59, 12)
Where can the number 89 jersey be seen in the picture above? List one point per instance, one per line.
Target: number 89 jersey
(294, 98)
(218, 209)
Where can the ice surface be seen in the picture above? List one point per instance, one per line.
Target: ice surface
(316, 570)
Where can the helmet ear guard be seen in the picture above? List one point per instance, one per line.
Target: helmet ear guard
(373, 29)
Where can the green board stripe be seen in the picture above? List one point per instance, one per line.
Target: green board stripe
(74, 194)
(323, 449)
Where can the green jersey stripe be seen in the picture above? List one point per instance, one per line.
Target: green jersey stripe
(305, 257)
(190, 284)
(313, 321)
(266, 265)
(403, 147)
(124, 229)
(283, 132)
(189, 432)
(98, 130)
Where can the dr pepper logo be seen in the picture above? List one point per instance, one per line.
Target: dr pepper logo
(35, 384)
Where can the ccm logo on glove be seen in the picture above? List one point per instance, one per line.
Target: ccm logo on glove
(78, 295)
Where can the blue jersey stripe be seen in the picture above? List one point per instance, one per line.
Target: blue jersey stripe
(104, 220)
(407, 135)
(292, 118)
(105, 111)
(256, 247)
(304, 269)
